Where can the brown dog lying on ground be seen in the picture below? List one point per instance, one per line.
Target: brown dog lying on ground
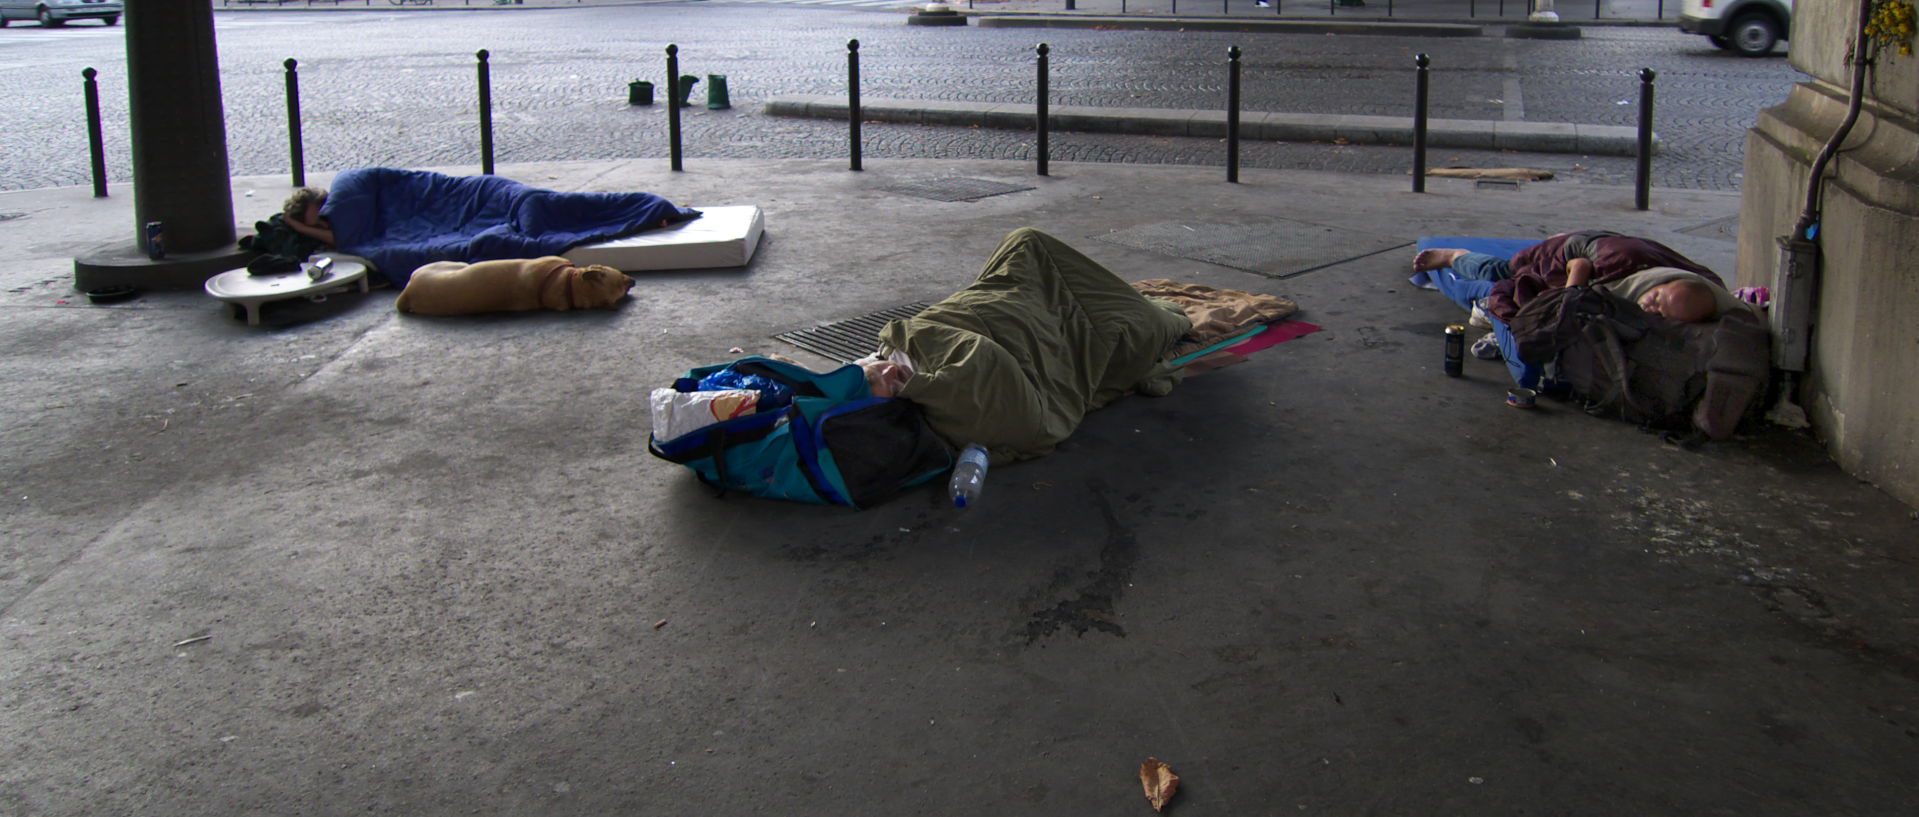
(511, 285)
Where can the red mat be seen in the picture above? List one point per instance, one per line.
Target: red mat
(1236, 353)
(1273, 336)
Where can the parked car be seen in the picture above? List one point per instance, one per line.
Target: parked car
(1748, 27)
(52, 13)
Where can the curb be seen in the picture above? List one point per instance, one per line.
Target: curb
(1408, 29)
(1529, 137)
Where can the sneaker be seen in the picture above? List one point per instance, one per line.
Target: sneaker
(1487, 348)
(1480, 319)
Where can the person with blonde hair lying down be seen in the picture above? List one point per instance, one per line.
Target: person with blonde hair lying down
(400, 220)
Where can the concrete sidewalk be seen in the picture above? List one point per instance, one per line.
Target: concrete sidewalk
(350, 562)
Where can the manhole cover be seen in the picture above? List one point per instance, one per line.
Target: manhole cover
(955, 189)
(1724, 229)
(851, 339)
(1275, 249)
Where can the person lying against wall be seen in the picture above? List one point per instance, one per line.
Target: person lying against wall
(1657, 278)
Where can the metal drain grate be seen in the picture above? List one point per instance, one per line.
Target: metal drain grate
(1496, 184)
(851, 339)
(954, 189)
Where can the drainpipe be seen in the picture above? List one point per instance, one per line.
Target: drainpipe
(1798, 274)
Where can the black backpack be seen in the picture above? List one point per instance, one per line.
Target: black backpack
(1701, 379)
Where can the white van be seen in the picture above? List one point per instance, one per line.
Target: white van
(1748, 27)
(52, 13)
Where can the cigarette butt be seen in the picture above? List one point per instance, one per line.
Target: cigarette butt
(659, 624)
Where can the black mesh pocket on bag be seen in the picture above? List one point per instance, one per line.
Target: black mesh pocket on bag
(883, 448)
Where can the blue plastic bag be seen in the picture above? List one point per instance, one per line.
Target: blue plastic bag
(773, 394)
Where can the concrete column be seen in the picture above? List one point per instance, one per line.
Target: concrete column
(179, 132)
(1859, 388)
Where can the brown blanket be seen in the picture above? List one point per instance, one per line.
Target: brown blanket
(1217, 314)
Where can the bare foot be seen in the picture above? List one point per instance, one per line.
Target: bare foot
(1429, 260)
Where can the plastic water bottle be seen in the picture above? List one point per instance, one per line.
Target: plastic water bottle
(969, 476)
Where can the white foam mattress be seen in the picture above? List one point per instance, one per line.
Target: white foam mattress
(721, 237)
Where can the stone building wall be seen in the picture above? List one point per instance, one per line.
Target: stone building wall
(1862, 387)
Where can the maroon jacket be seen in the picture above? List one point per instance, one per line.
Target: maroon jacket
(1542, 266)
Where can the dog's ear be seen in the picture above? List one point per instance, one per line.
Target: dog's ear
(602, 274)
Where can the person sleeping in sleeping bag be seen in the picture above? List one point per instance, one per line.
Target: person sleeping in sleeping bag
(1014, 361)
(401, 220)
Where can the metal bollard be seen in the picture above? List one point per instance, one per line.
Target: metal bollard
(853, 101)
(1232, 115)
(1642, 188)
(95, 143)
(1596, 9)
(297, 159)
(1040, 119)
(486, 114)
(673, 106)
(1419, 125)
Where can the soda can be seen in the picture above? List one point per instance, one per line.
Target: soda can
(156, 241)
(1455, 350)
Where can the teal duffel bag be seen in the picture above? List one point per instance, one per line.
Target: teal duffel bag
(833, 444)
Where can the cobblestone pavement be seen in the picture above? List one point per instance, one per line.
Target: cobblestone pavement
(389, 88)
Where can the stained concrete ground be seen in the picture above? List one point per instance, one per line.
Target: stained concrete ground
(353, 562)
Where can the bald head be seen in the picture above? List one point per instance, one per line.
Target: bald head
(1685, 300)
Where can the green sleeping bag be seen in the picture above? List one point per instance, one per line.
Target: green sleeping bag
(1045, 335)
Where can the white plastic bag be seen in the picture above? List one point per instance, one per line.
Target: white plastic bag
(676, 413)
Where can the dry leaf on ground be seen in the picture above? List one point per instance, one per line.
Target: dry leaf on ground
(1159, 781)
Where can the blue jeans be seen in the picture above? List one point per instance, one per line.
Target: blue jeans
(1471, 278)
(1479, 266)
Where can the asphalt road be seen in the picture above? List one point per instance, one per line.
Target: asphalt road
(386, 88)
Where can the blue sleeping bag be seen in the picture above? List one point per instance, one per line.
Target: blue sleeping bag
(402, 219)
